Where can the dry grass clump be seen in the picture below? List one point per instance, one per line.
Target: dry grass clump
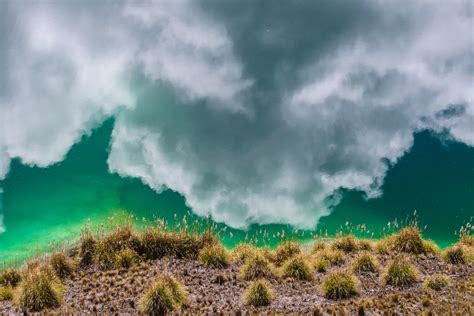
(334, 257)
(297, 268)
(214, 256)
(163, 296)
(400, 272)
(126, 258)
(364, 262)
(87, 246)
(6, 293)
(407, 240)
(123, 237)
(456, 254)
(243, 251)
(467, 240)
(346, 243)
(258, 294)
(39, 290)
(321, 264)
(365, 244)
(255, 267)
(285, 251)
(437, 282)
(339, 284)
(9, 277)
(318, 246)
(61, 265)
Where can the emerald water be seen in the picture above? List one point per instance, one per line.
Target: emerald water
(50, 205)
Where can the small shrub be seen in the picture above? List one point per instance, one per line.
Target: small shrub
(346, 243)
(163, 296)
(437, 282)
(9, 278)
(339, 284)
(285, 251)
(87, 246)
(6, 293)
(243, 251)
(126, 258)
(297, 268)
(61, 265)
(215, 256)
(256, 267)
(400, 272)
(39, 290)
(455, 255)
(258, 294)
(364, 262)
(321, 264)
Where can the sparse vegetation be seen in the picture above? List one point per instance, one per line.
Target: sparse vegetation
(256, 267)
(61, 264)
(437, 282)
(339, 284)
(39, 290)
(214, 256)
(163, 296)
(87, 246)
(258, 294)
(400, 272)
(297, 268)
(243, 251)
(9, 278)
(285, 251)
(364, 262)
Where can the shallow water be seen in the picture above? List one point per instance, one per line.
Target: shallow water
(48, 205)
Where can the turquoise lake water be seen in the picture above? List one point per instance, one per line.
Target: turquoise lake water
(42, 206)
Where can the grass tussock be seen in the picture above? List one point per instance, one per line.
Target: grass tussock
(61, 265)
(39, 290)
(321, 265)
(456, 254)
(400, 272)
(467, 240)
(364, 262)
(285, 251)
(87, 244)
(407, 240)
(164, 295)
(437, 282)
(243, 251)
(339, 284)
(215, 256)
(256, 266)
(6, 293)
(296, 268)
(126, 258)
(113, 243)
(346, 243)
(258, 294)
(319, 246)
(10, 278)
(334, 257)
(365, 244)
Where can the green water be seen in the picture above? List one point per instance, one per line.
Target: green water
(48, 205)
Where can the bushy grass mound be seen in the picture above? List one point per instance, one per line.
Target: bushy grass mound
(164, 295)
(39, 290)
(318, 246)
(334, 257)
(321, 264)
(400, 272)
(126, 258)
(338, 285)
(61, 265)
(256, 267)
(243, 251)
(456, 254)
(285, 251)
(407, 240)
(365, 244)
(123, 237)
(258, 294)
(9, 278)
(364, 262)
(215, 256)
(437, 282)
(346, 243)
(297, 268)
(87, 246)
(467, 240)
(6, 293)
